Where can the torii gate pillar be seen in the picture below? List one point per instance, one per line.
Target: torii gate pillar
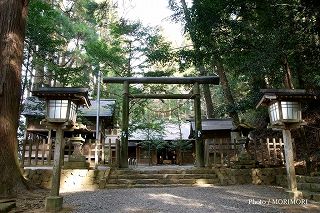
(125, 126)
(198, 126)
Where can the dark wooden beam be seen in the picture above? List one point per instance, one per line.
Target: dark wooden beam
(164, 80)
(161, 96)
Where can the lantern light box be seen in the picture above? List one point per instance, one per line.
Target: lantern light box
(62, 102)
(284, 105)
(61, 110)
(285, 112)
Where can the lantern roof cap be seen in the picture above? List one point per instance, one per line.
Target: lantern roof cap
(270, 95)
(79, 95)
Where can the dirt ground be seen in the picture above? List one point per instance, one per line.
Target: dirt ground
(33, 201)
(30, 201)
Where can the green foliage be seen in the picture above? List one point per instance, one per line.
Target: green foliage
(44, 27)
(253, 40)
(150, 128)
(155, 144)
(101, 52)
(68, 44)
(158, 51)
(64, 42)
(252, 37)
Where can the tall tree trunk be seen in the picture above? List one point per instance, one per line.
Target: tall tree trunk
(13, 15)
(61, 60)
(207, 93)
(38, 78)
(130, 56)
(179, 151)
(29, 85)
(287, 78)
(199, 66)
(208, 99)
(227, 94)
(187, 18)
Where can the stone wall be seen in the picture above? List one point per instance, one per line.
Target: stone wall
(263, 176)
(71, 179)
(308, 185)
(39, 177)
(82, 179)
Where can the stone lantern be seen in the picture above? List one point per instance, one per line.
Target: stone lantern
(77, 142)
(284, 106)
(61, 107)
(77, 160)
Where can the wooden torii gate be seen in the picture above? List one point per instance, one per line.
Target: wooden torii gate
(126, 81)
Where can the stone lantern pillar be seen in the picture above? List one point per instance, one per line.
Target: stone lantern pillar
(61, 113)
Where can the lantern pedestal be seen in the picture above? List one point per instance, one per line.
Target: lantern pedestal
(294, 194)
(53, 203)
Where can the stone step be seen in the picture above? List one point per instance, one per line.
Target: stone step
(163, 176)
(163, 181)
(119, 186)
(164, 171)
(125, 178)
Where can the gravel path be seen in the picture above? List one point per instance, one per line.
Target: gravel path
(224, 199)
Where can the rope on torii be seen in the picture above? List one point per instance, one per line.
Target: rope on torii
(133, 96)
(165, 111)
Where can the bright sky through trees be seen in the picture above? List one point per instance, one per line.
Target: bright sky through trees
(152, 13)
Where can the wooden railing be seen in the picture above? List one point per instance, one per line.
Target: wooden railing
(266, 152)
(269, 151)
(221, 151)
(37, 150)
(111, 147)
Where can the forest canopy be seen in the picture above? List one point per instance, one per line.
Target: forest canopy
(249, 44)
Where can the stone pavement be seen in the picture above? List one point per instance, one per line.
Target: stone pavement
(236, 198)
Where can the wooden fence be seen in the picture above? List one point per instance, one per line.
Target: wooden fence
(38, 150)
(220, 151)
(266, 152)
(112, 141)
(269, 152)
